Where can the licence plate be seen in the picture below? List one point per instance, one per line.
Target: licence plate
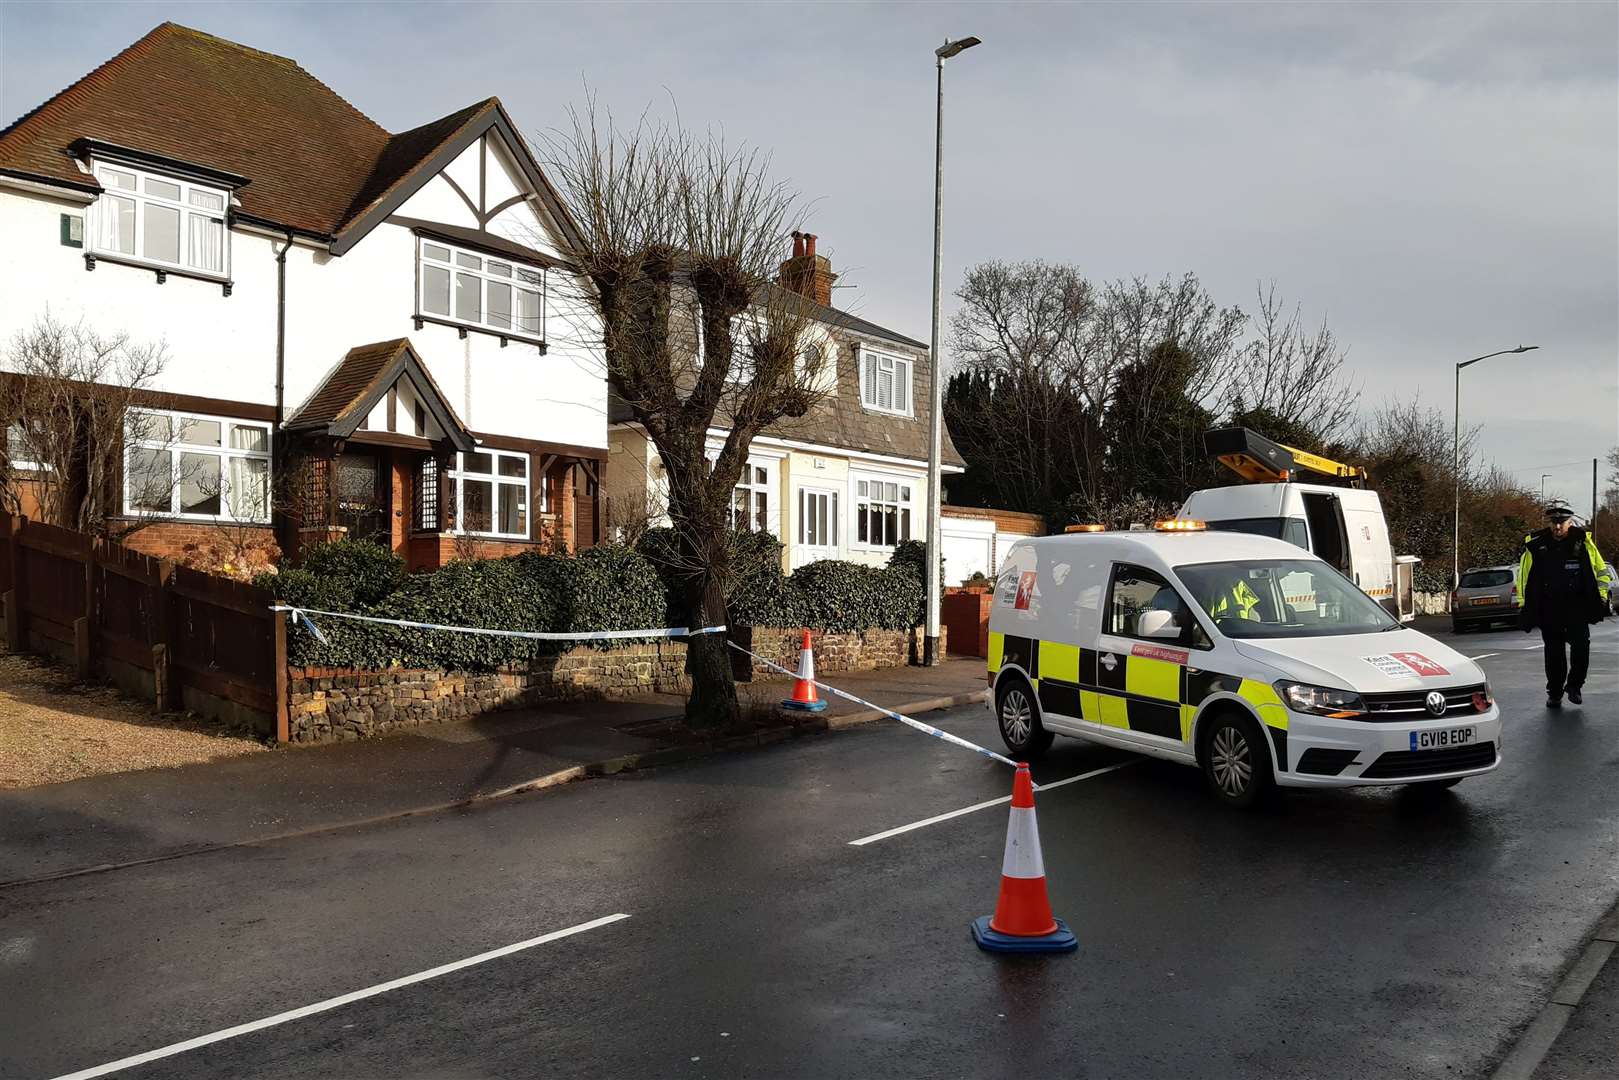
(1483, 601)
(1441, 739)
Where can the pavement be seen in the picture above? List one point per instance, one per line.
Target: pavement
(716, 918)
(117, 819)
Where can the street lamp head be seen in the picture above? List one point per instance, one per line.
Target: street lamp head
(1526, 348)
(951, 48)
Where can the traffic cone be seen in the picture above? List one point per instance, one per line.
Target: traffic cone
(1023, 921)
(804, 698)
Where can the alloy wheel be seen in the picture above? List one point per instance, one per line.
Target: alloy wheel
(1017, 719)
(1231, 761)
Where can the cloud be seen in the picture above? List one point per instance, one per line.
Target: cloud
(1437, 180)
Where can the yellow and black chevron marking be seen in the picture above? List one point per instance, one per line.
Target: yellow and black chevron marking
(1136, 693)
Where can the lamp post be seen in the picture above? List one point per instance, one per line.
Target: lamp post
(935, 549)
(1456, 461)
(1543, 486)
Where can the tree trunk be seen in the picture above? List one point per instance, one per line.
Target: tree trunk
(713, 703)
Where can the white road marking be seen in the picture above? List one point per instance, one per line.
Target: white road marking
(1484, 656)
(925, 822)
(332, 1003)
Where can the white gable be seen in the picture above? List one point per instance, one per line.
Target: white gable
(438, 201)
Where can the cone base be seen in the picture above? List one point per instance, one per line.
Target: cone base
(1059, 940)
(804, 706)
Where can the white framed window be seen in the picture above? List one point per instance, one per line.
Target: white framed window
(882, 508)
(885, 381)
(206, 468)
(750, 501)
(486, 291)
(20, 448)
(817, 518)
(162, 220)
(488, 492)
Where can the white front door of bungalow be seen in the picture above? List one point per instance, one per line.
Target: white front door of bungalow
(816, 526)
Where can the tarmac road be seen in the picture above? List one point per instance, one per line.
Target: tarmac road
(1342, 934)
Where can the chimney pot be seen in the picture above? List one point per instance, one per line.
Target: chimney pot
(798, 244)
(809, 244)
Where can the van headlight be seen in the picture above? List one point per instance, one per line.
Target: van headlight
(1321, 700)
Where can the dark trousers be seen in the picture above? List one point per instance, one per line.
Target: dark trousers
(1566, 669)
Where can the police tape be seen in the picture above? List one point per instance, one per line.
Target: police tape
(301, 615)
(926, 729)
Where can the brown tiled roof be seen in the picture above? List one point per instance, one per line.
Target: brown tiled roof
(313, 161)
(354, 387)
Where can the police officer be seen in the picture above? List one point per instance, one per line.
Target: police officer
(1563, 584)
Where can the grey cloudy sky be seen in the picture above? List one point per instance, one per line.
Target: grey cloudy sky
(1438, 181)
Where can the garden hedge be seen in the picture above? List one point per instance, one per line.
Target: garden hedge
(608, 587)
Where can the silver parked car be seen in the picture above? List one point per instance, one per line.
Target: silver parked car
(1485, 595)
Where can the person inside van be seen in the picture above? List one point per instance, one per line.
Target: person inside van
(1237, 601)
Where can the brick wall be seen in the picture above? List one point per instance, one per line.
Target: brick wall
(328, 704)
(245, 549)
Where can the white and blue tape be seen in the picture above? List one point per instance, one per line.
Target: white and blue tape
(301, 615)
(926, 729)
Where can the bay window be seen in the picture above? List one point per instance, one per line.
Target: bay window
(882, 510)
(486, 291)
(201, 467)
(166, 221)
(488, 494)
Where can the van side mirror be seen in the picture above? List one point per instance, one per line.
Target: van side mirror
(1158, 624)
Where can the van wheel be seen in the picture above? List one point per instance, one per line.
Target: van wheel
(1235, 759)
(1018, 717)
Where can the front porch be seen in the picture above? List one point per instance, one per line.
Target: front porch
(379, 454)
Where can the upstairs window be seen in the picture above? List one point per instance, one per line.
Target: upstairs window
(885, 382)
(165, 221)
(750, 500)
(485, 291)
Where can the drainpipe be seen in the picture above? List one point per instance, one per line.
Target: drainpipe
(276, 451)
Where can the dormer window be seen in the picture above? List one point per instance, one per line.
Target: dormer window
(885, 382)
(166, 222)
(483, 291)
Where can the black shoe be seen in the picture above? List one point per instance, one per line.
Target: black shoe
(1574, 696)
(1554, 703)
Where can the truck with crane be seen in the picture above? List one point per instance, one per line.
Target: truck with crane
(1334, 515)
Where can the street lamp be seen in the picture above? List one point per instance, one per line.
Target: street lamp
(930, 644)
(1543, 486)
(1456, 461)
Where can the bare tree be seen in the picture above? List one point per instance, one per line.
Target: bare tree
(1293, 373)
(678, 238)
(67, 402)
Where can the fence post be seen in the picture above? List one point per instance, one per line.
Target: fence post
(164, 676)
(16, 618)
(278, 673)
(84, 628)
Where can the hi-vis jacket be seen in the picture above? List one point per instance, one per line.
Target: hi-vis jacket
(1594, 581)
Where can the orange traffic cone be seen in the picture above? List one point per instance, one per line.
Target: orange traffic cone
(1023, 921)
(804, 698)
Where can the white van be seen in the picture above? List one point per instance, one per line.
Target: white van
(1344, 527)
(1243, 655)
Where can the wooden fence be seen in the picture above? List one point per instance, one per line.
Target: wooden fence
(183, 638)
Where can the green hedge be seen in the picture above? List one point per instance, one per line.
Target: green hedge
(609, 587)
(603, 588)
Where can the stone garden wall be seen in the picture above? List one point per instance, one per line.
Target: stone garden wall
(328, 704)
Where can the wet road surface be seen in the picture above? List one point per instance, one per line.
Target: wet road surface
(1341, 934)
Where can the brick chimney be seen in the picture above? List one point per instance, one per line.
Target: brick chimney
(807, 273)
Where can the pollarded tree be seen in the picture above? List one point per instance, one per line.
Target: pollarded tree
(676, 246)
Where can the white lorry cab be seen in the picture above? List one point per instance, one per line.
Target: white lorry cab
(1243, 655)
